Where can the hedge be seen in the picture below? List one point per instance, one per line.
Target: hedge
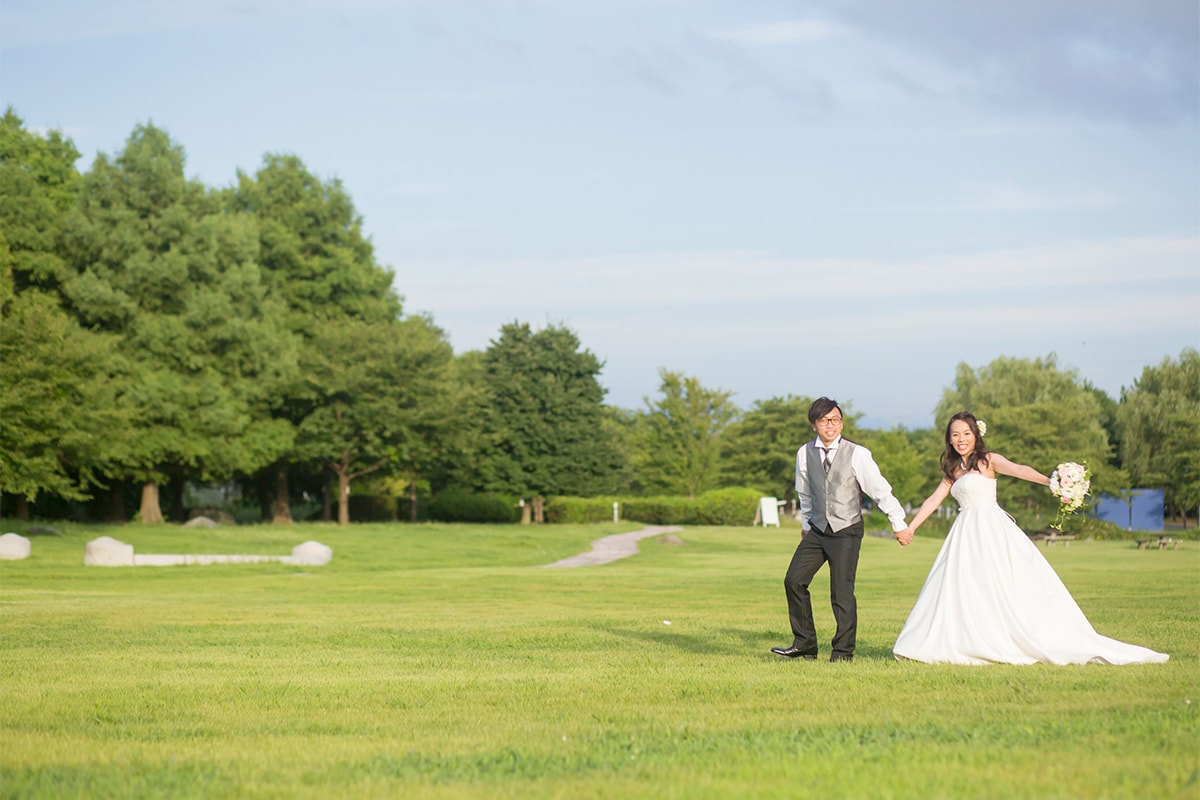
(462, 505)
(736, 506)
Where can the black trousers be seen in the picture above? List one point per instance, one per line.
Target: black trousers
(841, 550)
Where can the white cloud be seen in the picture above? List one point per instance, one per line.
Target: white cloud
(665, 281)
(1008, 197)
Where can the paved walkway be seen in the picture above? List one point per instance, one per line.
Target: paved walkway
(614, 547)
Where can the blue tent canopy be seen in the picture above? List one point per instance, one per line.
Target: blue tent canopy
(1141, 511)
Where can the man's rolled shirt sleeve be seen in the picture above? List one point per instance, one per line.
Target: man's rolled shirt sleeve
(875, 486)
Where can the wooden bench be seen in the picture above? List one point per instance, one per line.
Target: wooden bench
(1054, 536)
(1163, 542)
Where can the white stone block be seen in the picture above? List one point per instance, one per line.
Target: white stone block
(107, 552)
(311, 554)
(14, 547)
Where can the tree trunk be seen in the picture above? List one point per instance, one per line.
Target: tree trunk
(525, 507)
(283, 510)
(150, 510)
(343, 498)
(22, 506)
(539, 509)
(412, 501)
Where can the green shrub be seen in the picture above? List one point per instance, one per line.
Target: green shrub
(372, 508)
(661, 510)
(718, 507)
(736, 506)
(404, 506)
(577, 510)
(463, 505)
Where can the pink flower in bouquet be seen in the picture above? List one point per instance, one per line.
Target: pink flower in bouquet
(1070, 483)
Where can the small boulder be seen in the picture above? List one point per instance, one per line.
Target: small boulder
(217, 515)
(200, 522)
(14, 547)
(311, 554)
(107, 552)
(671, 539)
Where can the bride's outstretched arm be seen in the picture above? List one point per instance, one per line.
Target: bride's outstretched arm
(1006, 467)
(928, 507)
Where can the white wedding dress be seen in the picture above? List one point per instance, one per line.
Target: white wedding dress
(992, 598)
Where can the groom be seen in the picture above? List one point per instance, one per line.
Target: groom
(832, 474)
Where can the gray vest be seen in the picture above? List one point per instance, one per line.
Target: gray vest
(836, 496)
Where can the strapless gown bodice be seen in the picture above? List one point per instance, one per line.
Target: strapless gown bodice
(992, 597)
(974, 490)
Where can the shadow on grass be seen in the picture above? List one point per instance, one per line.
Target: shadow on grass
(751, 642)
(685, 642)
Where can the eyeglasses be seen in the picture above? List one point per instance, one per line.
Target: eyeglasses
(829, 421)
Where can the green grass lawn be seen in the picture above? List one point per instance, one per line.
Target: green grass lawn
(439, 661)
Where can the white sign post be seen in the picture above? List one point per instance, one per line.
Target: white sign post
(768, 511)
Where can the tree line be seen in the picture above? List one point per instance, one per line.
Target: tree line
(158, 333)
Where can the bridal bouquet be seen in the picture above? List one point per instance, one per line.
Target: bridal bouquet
(1070, 483)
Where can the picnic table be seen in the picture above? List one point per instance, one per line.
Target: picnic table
(1163, 540)
(1055, 536)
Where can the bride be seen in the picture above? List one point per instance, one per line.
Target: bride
(991, 597)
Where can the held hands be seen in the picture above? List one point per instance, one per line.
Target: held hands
(904, 537)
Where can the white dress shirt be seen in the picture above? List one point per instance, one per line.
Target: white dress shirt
(866, 472)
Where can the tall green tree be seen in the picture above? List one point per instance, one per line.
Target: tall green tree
(154, 260)
(1159, 424)
(543, 419)
(759, 448)
(377, 393)
(908, 459)
(313, 253)
(55, 403)
(38, 187)
(315, 258)
(57, 407)
(440, 403)
(1036, 414)
(681, 434)
(1108, 420)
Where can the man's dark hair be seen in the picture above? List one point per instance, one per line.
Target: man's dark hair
(820, 407)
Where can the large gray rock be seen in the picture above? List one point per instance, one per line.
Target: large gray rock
(217, 515)
(107, 552)
(14, 547)
(311, 554)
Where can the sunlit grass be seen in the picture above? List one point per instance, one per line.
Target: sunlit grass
(441, 661)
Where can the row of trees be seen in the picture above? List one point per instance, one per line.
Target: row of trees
(159, 333)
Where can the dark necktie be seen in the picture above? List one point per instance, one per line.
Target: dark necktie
(827, 458)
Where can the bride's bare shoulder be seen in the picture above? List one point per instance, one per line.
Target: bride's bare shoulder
(989, 463)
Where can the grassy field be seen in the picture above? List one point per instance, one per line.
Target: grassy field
(439, 661)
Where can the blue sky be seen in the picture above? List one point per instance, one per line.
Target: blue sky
(830, 197)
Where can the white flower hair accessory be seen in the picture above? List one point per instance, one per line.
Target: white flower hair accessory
(982, 427)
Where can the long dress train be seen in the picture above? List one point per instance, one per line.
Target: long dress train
(992, 597)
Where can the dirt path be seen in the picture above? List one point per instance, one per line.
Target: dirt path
(614, 547)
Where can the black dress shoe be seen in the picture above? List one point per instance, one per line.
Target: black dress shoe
(793, 652)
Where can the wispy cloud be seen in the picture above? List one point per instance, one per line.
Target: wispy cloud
(792, 31)
(747, 321)
(1009, 197)
(745, 278)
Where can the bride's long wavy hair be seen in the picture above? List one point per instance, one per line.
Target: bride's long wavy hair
(951, 461)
